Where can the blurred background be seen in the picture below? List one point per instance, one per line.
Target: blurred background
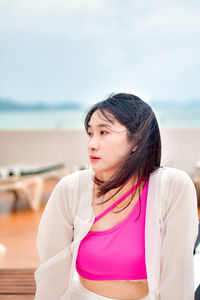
(59, 57)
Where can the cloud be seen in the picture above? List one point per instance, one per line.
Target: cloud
(116, 19)
(50, 47)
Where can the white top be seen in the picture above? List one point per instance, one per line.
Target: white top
(171, 230)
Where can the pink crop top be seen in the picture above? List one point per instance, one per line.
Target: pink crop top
(117, 253)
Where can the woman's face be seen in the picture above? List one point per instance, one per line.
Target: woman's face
(108, 144)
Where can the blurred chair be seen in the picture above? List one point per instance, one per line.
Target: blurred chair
(29, 181)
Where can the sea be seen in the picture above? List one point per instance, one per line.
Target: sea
(168, 117)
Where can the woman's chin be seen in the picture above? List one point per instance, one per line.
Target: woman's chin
(102, 174)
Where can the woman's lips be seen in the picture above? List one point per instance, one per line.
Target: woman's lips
(94, 158)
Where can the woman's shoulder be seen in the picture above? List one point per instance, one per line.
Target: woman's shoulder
(75, 179)
(171, 173)
(171, 177)
(173, 186)
(69, 190)
(78, 174)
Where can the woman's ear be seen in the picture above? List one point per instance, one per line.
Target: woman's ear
(136, 143)
(134, 148)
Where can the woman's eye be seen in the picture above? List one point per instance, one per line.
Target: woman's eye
(103, 132)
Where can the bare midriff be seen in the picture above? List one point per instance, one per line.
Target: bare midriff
(126, 290)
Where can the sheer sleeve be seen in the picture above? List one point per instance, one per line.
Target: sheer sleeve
(181, 228)
(55, 234)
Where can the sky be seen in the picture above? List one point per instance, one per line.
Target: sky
(83, 50)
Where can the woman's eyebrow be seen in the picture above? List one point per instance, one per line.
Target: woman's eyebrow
(100, 125)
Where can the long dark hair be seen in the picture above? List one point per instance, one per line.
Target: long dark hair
(143, 132)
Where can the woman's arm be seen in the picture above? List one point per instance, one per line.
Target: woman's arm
(53, 243)
(181, 228)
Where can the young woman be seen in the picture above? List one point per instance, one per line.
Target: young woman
(126, 225)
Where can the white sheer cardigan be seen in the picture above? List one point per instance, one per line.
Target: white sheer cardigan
(171, 229)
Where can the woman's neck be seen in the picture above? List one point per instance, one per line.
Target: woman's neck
(118, 191)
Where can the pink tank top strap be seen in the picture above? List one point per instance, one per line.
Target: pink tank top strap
(118, 201)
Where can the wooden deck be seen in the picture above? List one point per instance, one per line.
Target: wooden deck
(17, 284)
(18, 232)
(18, 229)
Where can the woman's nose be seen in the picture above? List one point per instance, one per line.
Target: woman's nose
(93, 143)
